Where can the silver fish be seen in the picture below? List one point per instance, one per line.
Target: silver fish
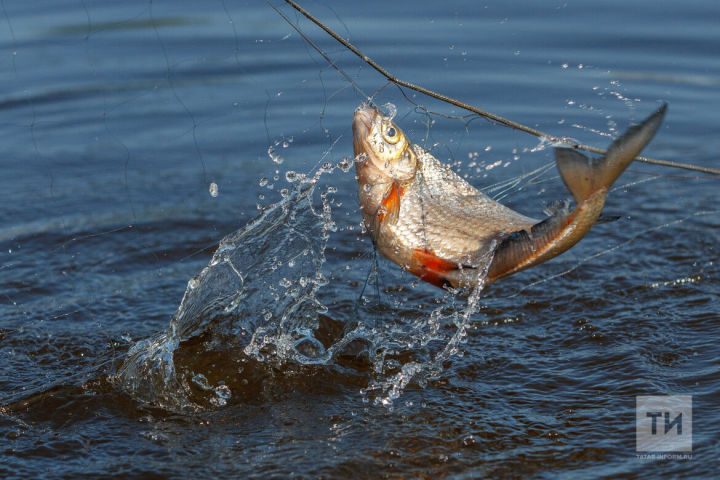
(434, 224)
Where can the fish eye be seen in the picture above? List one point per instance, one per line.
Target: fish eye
(390, 134)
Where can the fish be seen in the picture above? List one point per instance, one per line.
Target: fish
(431, 222)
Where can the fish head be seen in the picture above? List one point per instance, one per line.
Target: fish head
(382, 152)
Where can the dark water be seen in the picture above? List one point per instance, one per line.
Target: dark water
(117, 118)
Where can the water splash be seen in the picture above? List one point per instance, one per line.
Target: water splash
(426, 337)
(264, 305)
(257, 294)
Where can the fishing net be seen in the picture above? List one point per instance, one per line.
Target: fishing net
(196, 162)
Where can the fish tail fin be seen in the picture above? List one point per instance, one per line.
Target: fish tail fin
(589, 181)
(584, 176)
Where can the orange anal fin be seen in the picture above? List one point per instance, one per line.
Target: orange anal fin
(390, 206)
(431, 268)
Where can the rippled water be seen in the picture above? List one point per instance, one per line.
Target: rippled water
(137, 138)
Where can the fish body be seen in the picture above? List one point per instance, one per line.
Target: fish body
(434, 224)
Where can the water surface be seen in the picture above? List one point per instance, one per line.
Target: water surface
(117, 118)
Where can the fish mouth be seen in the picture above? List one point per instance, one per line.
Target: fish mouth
(362, 124)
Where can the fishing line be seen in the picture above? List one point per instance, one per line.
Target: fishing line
(630, 184)
(12, 36)
(126, 186)
(236, 48)
(127, 157)
(611, 249)
(509, 185)
(501, 190)
(175, 93)
(318, 49)
(444, 98)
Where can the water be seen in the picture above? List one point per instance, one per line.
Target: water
(137, 137)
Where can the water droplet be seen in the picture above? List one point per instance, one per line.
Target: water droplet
(263, 181)
(200, 380)
(309, 347)
(345, 164)
(223, 391)
(213, 189)
(390, 110)
(274, 156)
(291, 176)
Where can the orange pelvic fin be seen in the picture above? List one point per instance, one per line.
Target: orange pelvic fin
(431, 268)
(390, 206)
